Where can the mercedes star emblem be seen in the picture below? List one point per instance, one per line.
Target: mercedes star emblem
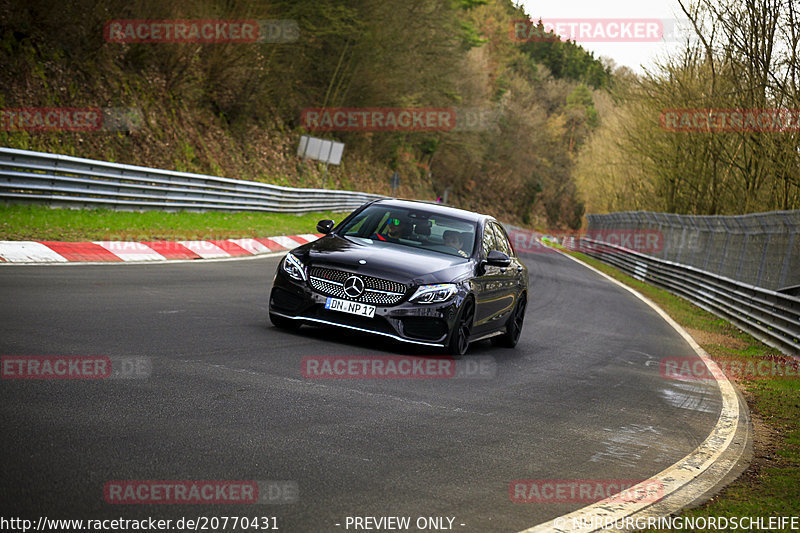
(353, 286)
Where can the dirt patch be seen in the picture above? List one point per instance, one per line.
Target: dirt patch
(765, 443)
(726, 341)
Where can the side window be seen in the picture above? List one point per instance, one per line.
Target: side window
(502, 240)
(382, 223)
(488, 240)
(356, 226)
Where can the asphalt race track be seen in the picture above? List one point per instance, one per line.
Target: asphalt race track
(581, 398)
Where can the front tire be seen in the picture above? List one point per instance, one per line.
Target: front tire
(510, 338)
(459, 338)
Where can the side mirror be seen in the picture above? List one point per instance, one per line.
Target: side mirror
(498, 258)
(325, 226)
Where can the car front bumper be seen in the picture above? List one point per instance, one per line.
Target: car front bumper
(422, 324)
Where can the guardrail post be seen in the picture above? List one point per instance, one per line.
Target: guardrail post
(745, 241)
(694, 239)
(679, 223)
(710, 232)
(764, 250)
(787, 256)
(725, 246)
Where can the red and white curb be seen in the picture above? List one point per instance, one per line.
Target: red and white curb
(125, 251)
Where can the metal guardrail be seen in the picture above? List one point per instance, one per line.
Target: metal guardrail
(770, 316)
(761, 249)
(65, 180)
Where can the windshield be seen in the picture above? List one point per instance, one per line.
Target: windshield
(412, 227)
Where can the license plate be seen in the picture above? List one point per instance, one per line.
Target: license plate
(346, 306)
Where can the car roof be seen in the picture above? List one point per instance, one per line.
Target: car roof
(432, 207)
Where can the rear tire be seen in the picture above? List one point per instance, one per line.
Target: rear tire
(283, 322)
(510, 338)
(459, 338)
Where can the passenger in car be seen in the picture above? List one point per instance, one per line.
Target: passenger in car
(453, 240)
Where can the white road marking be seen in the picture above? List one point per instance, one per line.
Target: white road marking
(679, 475)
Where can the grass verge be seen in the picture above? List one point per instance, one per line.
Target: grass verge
(39, 223)
(770, 487)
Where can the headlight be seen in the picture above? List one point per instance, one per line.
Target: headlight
(293, 267)
(434, 294)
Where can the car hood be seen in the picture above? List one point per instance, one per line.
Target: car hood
(384, 260)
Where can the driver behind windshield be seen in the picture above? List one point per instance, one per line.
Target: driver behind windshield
(396, 228)
(452, 239)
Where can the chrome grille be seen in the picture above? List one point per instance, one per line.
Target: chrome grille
(376, 291)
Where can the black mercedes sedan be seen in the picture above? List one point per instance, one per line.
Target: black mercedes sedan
(417, 272)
